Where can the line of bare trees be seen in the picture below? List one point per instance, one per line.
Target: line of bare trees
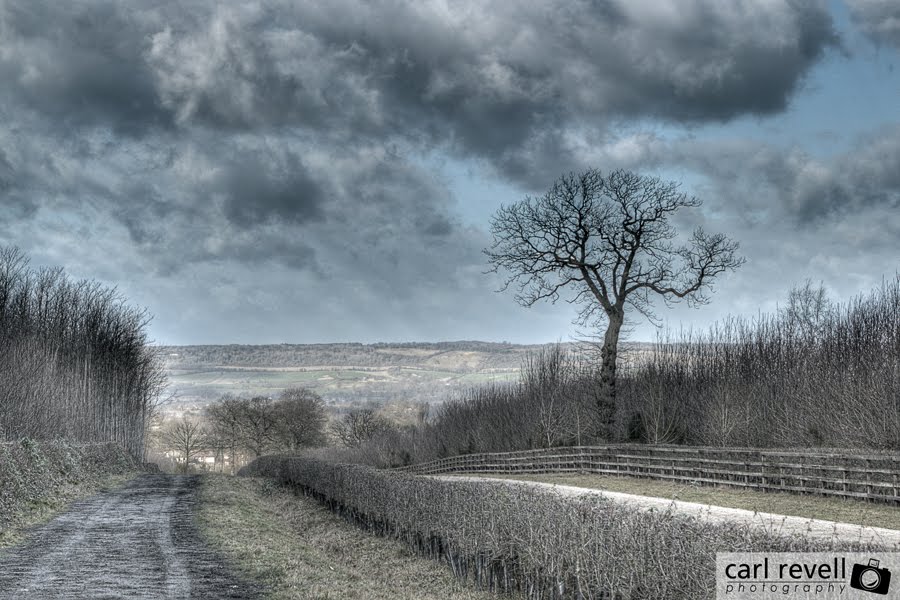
(74, 359)
(236, 428)
(553, 404)
(815, 374)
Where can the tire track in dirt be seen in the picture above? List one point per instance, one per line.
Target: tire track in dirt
(139, 541)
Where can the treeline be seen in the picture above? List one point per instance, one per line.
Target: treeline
(235, 429)
(259, 425)
(813, 374)
(74, 359)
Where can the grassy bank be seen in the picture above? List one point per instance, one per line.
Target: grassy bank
(841, 510)
(40, 479)
(298, 549)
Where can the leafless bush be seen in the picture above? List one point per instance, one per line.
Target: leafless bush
(553, 404)
(33, 471)
(532, 541)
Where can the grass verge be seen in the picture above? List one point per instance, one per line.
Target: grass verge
(39, 512)
(781, 503)
(296, 548)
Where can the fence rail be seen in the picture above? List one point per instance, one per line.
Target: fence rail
(869, 476)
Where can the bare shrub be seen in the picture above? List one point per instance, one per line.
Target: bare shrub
(518, 538)
(32, 471)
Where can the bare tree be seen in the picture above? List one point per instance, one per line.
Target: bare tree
(300, 419)
(808, 309)
(547, 385)
(358, 426)
(610, 240)
(225, 418)
(186, 438)
(259, 424)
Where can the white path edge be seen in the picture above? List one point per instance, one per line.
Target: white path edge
(778, 524)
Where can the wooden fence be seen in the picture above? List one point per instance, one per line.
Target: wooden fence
(871, 476)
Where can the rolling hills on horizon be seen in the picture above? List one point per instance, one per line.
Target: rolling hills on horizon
(344, 374)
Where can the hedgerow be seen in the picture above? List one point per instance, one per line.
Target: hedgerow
(34, 472)
(531, 541)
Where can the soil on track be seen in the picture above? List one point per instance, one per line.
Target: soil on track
(139, 541)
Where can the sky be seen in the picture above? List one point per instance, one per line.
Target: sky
(305, 172)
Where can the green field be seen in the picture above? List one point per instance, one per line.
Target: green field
(337, 384)
(345, 372)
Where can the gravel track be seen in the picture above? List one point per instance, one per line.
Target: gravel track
(781, 524)
(138, 541)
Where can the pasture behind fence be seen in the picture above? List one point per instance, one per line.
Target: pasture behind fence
(869, 476)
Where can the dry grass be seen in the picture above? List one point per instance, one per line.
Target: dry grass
(298, 549)
(812, 507)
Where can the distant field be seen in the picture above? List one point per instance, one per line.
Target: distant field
(344, 373)
(335, 383)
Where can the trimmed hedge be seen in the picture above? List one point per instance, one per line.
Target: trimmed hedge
(33, 472)
(533, 541)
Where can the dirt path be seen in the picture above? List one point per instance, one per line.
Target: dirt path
(135, 542)
(787, 525)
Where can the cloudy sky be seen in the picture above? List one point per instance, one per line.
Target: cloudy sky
(299, 171)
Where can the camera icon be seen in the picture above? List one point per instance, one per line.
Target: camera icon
(870, 578)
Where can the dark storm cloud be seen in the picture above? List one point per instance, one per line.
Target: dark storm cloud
(485, 81)
(813, 192)
(78, 64)
(257, 191)
(194, 140)
(762, 183)
(879, 19)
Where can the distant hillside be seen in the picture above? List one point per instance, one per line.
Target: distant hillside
(343, 374)
(465, 356)
(340, 373)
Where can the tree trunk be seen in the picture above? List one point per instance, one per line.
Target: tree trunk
(606, 402)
